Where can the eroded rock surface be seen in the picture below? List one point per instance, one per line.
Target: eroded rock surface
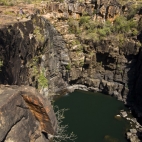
(25, 115)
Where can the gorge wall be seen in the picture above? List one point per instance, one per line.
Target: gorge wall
(107, 65)
(43, 47)
(41, 52)
(31, 47)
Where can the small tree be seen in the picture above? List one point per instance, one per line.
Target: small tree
(61, 133)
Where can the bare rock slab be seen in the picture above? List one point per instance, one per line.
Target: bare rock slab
(25, 115)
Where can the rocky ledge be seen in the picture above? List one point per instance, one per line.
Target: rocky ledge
(25, 115)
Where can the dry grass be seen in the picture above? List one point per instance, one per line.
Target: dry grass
(16, 2)
(123, 2)
(10, 14)
(9, 10)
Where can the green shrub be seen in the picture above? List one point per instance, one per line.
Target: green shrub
(33, 66)
(132, 24)
(91, 25)
(42, 80)
(80, 47)
(73, 26)
(134, 10)
(135, 32)
(122, 25)
(121, 39)
(84, 19)
(140, 24)
(81, 63)
(68, 67)
(75, 42)
(104, 31)
(1, 64)
(98, 31)
(132, 13)
(39, 35)
(15, 2)
(93, 36)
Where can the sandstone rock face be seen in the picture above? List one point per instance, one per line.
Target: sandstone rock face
(38, 45)
(25, 115)
(99, 9)
(17, 48)
(30, 48)
(104, 66)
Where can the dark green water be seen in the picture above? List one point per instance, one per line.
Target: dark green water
(91, 116)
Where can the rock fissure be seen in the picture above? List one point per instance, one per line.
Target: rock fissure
(12, 127)
(22, 107)
(19, 121)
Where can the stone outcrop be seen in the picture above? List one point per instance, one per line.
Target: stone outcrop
(99, 9)
(25, 115)
(30, 48)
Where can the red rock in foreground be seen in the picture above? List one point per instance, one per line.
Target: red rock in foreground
(25, 115)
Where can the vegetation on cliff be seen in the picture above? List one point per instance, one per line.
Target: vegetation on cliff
(86, 28)
(38, 75)
(1, 64)
(15, 2)
(61, 132)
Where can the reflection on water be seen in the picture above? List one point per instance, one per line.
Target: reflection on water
(110, 139)
(93, 117)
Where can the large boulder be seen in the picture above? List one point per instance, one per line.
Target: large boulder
(25, 115)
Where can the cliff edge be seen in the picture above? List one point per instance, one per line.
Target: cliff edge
(25, 115)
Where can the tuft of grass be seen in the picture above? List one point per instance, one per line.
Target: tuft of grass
(9, 13)
(1, 64)
(140, 24)
(122, 25)
(121, 39)
(16, 2)
(39, 75)
(38, 34)
(92, 36)
(68, 67)
(73, 26)
(42, 80)
(84, 20)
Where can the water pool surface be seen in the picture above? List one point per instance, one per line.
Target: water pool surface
(91, 116)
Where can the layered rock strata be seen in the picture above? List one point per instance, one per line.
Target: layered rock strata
(106, 66)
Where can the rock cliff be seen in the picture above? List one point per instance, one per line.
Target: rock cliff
(31, 49)
(44, 53)
(108, 65)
